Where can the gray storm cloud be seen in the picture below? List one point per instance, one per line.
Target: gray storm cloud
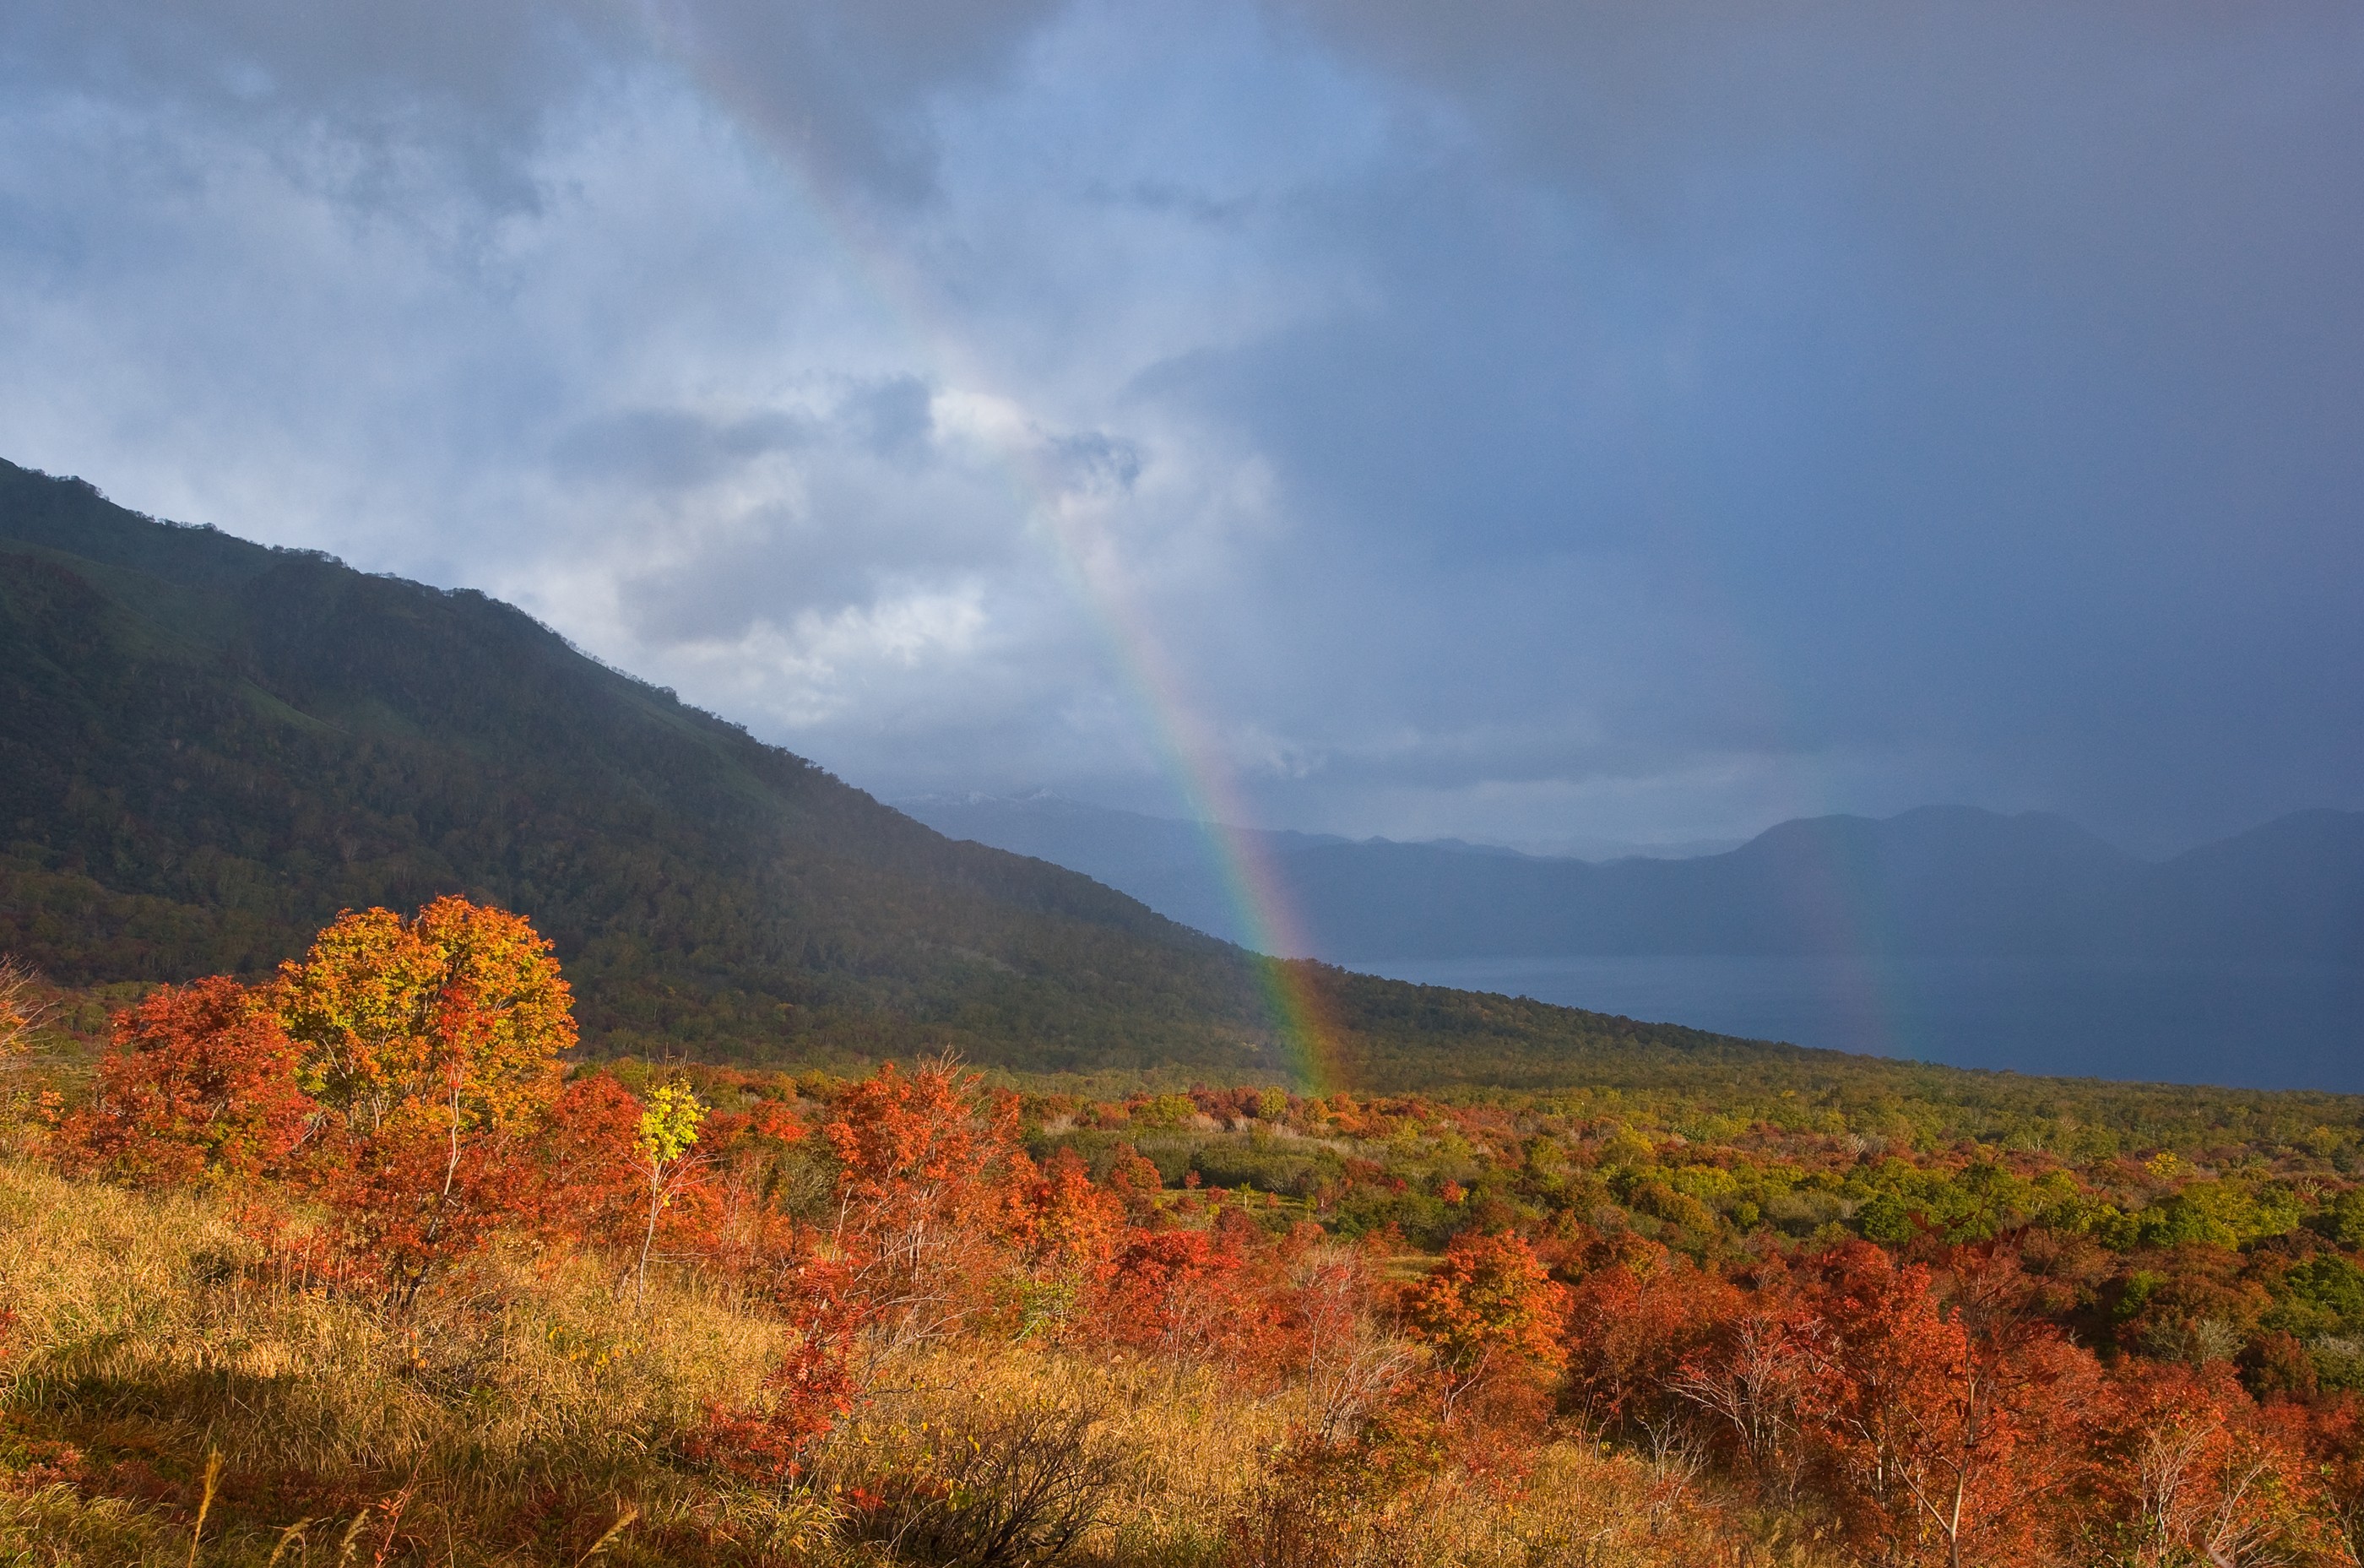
(1521, 422)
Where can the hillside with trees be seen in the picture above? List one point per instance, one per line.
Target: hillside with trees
(207, 748)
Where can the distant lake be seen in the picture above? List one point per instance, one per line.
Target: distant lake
(2255, 1025)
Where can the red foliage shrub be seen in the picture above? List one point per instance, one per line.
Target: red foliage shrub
(2277, 1366)
(1068, 1232)
(197, 1080)
(587, 1176)
(2334, 1444)
(937, 1208)
(814, 1385)
(1638, 1323)
(416, 1195)
(1136, 1182)
(600, 1182)
(748, 1238)
(1177, 1292)
(929, 1185)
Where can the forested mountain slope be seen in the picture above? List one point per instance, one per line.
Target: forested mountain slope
(209, 747)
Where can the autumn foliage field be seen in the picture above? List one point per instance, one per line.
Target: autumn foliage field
(359, 1265)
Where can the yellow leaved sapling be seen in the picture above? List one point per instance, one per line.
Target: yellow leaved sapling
(668, 1131)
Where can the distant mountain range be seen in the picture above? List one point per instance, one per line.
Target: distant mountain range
(1941, 880)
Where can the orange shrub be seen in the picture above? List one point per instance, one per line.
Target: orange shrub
(435, 1042)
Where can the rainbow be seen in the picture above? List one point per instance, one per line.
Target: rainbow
(1302, 1028)
(1257, 895)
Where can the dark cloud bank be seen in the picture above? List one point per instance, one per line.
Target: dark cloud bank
(1528, 423)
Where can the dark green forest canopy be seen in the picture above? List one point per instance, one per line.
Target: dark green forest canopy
(209, 747)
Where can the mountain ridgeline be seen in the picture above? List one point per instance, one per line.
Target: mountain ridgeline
(209, 747)
(1941, 880)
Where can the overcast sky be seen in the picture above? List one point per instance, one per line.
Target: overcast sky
(1529, 422)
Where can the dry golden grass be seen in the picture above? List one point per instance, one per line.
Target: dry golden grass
(515, 1417)
(1195, 1471)
(509, 1418)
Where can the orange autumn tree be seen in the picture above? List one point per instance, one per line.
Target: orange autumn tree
(432, 1044)
(463, 1004)
(1748, 1384)
(1069, 1231)
(2191, 1470)
(1489, 1312)
(1949, 1428)
(2335, 1443)
(1186, 1294)
(1645, 1323)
